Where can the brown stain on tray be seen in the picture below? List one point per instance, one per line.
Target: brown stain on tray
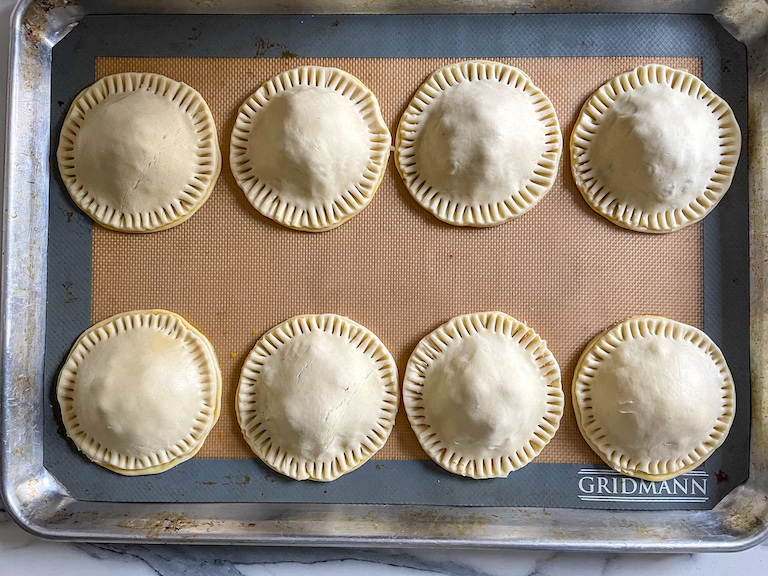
(563, 270)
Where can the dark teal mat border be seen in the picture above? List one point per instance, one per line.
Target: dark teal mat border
(726, 251)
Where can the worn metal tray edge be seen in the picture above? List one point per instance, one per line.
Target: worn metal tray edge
(42, 506)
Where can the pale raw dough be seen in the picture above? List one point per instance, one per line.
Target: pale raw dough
(140, 392)
(654, 150)
(309, 148)
(139, 152)
(317, 397)
(478, 144)
(483, 395)
(653, 397)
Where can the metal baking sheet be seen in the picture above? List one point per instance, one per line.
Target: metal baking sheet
(45, 506)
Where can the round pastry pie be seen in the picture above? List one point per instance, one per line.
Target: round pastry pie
(309, 148)
(654, 149)
(139, 152)
(478, 144)
(483, 395)
(653, 397)
(139, 392)
(317, 397)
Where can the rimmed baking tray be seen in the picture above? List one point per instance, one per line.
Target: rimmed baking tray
(43, 505)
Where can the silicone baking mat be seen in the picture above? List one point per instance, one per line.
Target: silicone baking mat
(395, 268)
(560, 268)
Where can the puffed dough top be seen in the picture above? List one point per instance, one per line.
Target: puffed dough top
(478, 144)
(478, 396)
(140, 391)
(309, 148)
(139, 152)
(654, 150)
(317, 397)
(653, 397)
(483, 395)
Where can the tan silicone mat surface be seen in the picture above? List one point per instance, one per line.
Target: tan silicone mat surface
(562, 269)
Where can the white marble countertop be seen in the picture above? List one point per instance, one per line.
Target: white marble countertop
(22, 553)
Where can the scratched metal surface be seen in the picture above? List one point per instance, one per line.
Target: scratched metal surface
(43, 505)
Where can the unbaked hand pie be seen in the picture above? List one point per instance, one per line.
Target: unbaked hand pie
(653, 397)
(139, 392)
(478, 144)
(483, 395)
(139, 152)
(654, 149)
(317, 397)
(309, 148)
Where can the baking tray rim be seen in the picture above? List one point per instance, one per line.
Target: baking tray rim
(40, 505)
